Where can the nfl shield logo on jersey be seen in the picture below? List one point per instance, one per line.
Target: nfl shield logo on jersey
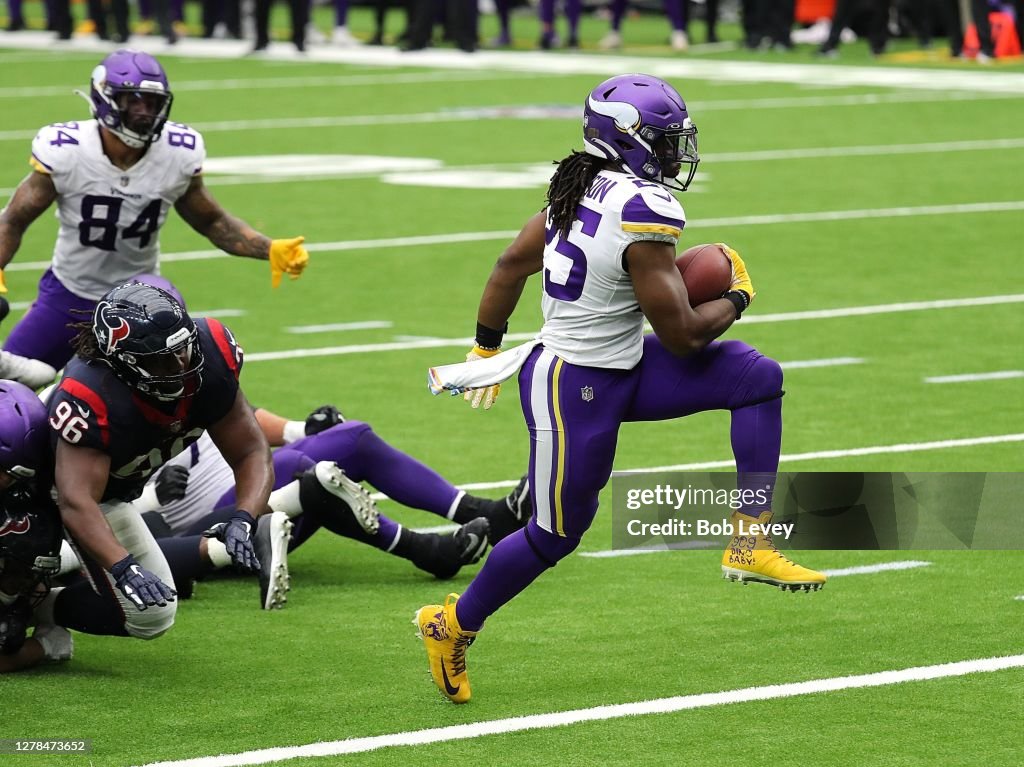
(587, 392)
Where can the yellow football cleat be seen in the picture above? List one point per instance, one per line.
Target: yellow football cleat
(753, 557)
(446, 645)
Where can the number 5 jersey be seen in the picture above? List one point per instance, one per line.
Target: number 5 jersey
(110, 218)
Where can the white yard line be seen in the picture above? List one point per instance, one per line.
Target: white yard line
(820, 455)
(375, 79)
(339, 326)
(443, 343)
(823, 363)
(603, 713)
(999, 375)
(404, 243)
(883, 567)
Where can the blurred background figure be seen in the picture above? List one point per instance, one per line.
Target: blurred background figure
(877, 30)
(15, 17)
(300, 17)
(503, 8)
(119, 9)
(678, 13)
(222, 12)
(341, 36)
(380, 12)
(548, 36)
(460, 18)
(954, 22)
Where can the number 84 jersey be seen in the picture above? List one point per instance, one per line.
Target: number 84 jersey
(110, 218)
(591, 314)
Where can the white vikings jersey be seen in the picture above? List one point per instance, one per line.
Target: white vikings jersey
(209, 477)
(591, 315)
(110, 218)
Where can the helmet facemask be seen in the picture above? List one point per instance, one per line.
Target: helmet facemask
(149, 341)
(168, 374)
(129, 96)
(674, 152)
(642, 123)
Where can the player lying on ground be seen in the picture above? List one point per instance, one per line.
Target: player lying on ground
(330, 498)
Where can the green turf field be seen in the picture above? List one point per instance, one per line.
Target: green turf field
(839, 197)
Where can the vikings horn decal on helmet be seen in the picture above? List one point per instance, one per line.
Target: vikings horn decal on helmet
(642, 122)
(130, 96)
(159, 354)
(24, 432)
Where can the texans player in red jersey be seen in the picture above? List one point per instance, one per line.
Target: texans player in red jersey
(145, 383)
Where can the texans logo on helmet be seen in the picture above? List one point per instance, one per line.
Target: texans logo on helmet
(114, 334)
(15, 526)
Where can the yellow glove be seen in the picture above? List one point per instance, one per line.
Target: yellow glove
(3, 282)
(740, 278)
(488, 394)
(287, 257)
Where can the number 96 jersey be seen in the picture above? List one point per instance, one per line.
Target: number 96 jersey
(110, 218)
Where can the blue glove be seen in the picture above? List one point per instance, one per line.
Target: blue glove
(236, 535)
(140, 586)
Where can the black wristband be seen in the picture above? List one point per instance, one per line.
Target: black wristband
(246, 517)
(488, 338)
(739, 299)
(117, 569)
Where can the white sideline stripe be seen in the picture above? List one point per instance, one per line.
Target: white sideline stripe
(998, 375)
(367, 325)
(446, 239)
(905, 447)
(1020, 598)
(604, 713)
(905, 564)
(976, 79)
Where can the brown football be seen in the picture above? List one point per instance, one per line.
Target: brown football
(707, 272)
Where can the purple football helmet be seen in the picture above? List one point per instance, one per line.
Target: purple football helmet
(149, 341)
(130, 96)
(24, 431)
(642, 121)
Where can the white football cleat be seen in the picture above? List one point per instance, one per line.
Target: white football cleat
(32, 373)
(273, 532)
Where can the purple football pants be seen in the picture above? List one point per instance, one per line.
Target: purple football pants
(363, 456)
(574, 414)
(44, 332)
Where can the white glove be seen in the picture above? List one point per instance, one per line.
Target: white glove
(56, 642)
(488, 394)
